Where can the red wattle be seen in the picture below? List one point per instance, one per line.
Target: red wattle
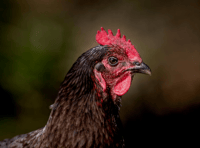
(123, 85)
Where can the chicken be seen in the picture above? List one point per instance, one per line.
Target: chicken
(85, 113)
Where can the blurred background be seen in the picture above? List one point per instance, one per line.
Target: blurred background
(41, 39)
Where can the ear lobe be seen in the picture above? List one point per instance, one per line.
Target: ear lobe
(100, 67)
(101, 80)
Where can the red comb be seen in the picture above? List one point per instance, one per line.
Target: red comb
(108, 39)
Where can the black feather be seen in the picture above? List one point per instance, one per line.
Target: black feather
(76, 121)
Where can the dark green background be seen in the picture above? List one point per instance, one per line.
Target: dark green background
(41, 39)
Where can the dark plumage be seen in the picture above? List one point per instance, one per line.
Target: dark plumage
(85, 113)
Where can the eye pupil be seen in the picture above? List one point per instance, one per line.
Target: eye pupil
(113, 61)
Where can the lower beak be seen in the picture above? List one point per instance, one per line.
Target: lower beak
(142, 68)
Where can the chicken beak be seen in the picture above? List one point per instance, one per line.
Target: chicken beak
(141, 68)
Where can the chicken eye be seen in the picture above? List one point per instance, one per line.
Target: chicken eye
(113, 61)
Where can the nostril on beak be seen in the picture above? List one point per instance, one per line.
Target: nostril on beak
(136, 63)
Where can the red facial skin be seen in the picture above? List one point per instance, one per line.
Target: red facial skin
(116, 77)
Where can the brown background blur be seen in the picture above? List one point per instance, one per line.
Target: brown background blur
(41, 39)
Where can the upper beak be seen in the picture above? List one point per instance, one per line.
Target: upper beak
(141, 68)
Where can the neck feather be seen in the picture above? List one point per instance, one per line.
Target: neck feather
(84, 120)
(82, 116)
